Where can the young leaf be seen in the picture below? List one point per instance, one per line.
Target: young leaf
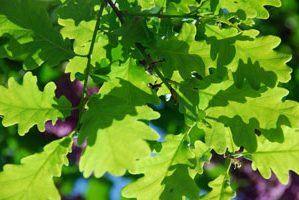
(170, 7)
(32, 179)
(27, 106)
(277, 157)
(252, 8)
(221, 190)
(82, 34)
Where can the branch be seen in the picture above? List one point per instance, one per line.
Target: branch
(88, 65)
(193, 14)
(148, 62)
(116, 11)
(160, 15)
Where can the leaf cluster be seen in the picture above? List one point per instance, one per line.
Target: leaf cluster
(201, 56)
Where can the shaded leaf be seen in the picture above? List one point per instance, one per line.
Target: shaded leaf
(268, 109)
(32, 37)
(116, 136)
(249, 49)
(162, 167)
(181, 53)
(130, 82)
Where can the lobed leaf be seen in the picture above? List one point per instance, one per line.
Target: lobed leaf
(252, 8)
(27, 106)
(33, 178)
(32, 37)
(221, 189)
(234, 50)
(279, 158)
(267, 109)
(116, 136)
(182, 53)
(130, 82)
(170, 164)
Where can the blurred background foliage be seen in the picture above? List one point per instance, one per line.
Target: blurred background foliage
(283, 22)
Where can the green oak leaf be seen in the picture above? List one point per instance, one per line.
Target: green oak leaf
(78, 10)
(220, 33)
(247, 49)
(135, 31)
(179, 184)
(245, 111)
(76, 65)
(116, 136)
(279, 158)
(148, 4)
(260, 51)
(159, 169)
(221, 189)
(33, 178)
(82, 34)
(130, 82)
(27, 106)
(182, 6)
(252, 8)
(32, 38)
(171, 7)
(243, 134)
(203, 154)
(218, 137)
(268, 109)
(182, 53)
(243, 123)
(254, 75)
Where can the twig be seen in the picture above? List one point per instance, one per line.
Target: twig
(148, 61)
(88, 65)
(160, 15)
(141, 48)
(116, 11)
(193, 14)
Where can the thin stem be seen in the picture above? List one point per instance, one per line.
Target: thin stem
(164, 80)
(193, 14)
(148, 61)
(141, 48)
(160, 15)
(228, 167)
(116, 11)
(88, 65)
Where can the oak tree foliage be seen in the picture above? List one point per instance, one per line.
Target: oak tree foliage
(204, 56)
